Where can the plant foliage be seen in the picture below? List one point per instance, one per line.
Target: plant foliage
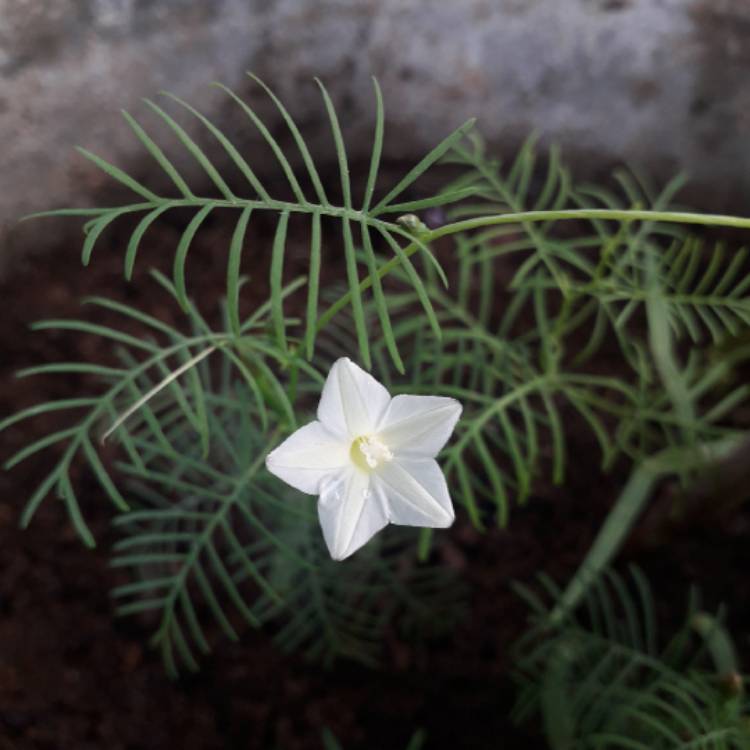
(363, 224)
(522, 340)
(603, 678)
(545, 283)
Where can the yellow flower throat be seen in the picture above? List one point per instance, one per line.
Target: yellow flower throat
(368, 452)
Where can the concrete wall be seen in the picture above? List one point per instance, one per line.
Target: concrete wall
(660, 83)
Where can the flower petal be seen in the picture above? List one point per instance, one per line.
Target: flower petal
(352, 401)
(419, 425)
(414, 493)
(308, 457)
(350, 513)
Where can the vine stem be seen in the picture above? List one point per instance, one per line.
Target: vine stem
(629, 506)
(528, 217)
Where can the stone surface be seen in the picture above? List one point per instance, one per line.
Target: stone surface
(658, 83)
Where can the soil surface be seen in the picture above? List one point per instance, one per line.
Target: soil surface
(72, 676)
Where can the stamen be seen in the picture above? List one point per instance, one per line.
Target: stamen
(368, 451)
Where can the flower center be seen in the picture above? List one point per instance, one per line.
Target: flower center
(368, 451)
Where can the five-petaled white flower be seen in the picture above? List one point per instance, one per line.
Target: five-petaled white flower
(371, 458)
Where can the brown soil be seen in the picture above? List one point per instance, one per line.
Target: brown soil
(71, 676)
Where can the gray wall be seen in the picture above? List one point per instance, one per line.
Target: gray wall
(663, 84)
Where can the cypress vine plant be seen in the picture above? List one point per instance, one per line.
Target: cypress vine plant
(536, 279)
(603, 677)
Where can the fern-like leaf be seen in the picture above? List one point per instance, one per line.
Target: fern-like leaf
(211, 543)
(358, 225)
(602, 678)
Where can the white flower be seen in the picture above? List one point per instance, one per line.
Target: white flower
(371, 458)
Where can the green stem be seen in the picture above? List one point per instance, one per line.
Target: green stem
(673, 217)
(628, 508)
